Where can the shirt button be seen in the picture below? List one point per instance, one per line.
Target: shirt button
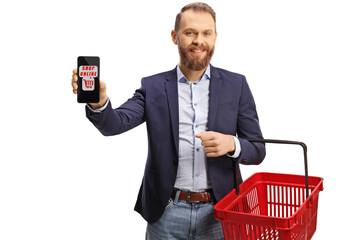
(197, 174)
(196, 125)
(195, 104)
(198, 149)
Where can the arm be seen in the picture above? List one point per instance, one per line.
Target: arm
(248, 128)
(115, 121)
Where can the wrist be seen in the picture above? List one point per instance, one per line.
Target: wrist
(100, 104)
(232, 146)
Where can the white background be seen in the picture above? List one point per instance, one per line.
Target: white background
(61, 179)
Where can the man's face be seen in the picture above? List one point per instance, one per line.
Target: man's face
(196, 39)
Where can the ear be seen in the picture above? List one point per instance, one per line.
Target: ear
(173, 37)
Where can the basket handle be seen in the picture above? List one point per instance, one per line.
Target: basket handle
(237, 168)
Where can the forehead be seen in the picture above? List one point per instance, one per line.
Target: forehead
(198, 20)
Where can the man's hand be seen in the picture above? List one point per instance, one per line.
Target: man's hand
(103, 96)
(216, 144)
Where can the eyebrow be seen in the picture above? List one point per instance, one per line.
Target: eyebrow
(192, 29)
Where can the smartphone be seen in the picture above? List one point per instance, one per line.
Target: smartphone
(88, 79)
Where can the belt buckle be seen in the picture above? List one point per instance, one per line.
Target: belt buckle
(188, 197)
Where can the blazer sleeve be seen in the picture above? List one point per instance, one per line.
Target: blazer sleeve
(248, 128)
(116, 121)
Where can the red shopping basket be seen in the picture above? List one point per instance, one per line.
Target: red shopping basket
(271, 205)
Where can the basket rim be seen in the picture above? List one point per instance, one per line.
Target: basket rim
(233, 198)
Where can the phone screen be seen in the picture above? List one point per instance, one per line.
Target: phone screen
(88, 79)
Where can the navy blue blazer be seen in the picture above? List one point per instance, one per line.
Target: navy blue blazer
(231, 111)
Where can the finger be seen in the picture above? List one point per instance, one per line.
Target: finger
(102, 85)
(206, 135)
(74, 79)
(210, 149)
(199, 135)
(75, 90)
(209, 143)
(75, 71)
(74, 85)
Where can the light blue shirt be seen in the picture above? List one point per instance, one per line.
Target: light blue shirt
(192, 174)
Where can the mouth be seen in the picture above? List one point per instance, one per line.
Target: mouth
(197, 51)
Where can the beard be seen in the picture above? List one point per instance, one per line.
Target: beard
(194, 63)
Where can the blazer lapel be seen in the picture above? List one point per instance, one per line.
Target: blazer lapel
(171, 87)
(214, 96)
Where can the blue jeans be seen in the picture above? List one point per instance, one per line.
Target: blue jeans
(186, 221)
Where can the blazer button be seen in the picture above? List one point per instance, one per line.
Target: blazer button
(244, 161)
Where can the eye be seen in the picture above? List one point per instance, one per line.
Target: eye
(207, 34)
(189, 33)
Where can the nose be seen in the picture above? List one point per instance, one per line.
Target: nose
(198, 39)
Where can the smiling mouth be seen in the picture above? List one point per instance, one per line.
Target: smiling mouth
(197, 51)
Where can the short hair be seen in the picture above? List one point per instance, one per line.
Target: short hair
(196, 7)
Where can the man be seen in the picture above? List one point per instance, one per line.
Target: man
(198, 119)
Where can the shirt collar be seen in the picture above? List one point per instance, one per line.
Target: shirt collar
(181, 78)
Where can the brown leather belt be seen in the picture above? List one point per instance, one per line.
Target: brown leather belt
(193, 197)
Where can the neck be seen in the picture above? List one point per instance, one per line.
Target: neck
(191, 75)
